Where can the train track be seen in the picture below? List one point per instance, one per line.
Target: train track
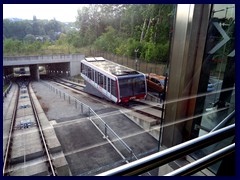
(72, 85)
(79, 88)
(25, 123)
(131, 105)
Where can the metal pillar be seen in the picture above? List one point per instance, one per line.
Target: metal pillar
(186, 55)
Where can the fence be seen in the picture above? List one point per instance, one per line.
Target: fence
(139, 64)
(7, 91)
(45, 57)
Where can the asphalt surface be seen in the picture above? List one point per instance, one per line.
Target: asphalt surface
(85, 149)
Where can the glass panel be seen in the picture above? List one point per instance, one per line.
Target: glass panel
(139, 85)
(132, 87)
(217, 81)
(113, 88)
(216, 90)
(126, 88)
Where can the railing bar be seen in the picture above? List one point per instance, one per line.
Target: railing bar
(229, 117)
(203, 162)
(160, 158)
(101, 120)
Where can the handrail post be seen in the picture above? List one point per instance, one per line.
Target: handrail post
(105, 131)
(168, 155)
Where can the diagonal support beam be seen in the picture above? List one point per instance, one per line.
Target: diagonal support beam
(224, 41)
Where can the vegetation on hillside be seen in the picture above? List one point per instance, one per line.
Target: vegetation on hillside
(141, 30)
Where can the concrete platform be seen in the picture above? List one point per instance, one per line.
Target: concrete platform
(84, 147)
(148, 124)
(27, 156)
(26, 145)
(86, 151)
(53, 143)
(28, 118)
(36, 167)
(61, 164)
(25, 111)
(143, 121)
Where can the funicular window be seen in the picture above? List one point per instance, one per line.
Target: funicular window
(92, 74)
(126, 87)
(139, 85)
(89, 73)
(85, 69)
(96, 77)
(100, 82)
(82, 68)
(109, 85)
(113, 88)
(132, 86)
(104, 82)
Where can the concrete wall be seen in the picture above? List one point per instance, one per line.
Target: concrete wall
(59, 63)
(75, 67)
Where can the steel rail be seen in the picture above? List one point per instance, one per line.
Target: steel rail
(221, 124)
(163, 157)
(203, 162)
(9, 141)
(42, 134)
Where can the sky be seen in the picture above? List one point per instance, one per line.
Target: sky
(61, 12)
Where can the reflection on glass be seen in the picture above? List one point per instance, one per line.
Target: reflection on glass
(217, 79)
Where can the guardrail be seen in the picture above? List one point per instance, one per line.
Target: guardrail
(163, 157)
(44, 57)
(203, 162)
(107, 132)
(7, 91)
(9, 138)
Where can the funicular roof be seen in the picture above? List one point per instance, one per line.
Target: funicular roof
(110, 66)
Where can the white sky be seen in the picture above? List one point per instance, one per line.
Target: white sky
(61, 12)
(65, 12)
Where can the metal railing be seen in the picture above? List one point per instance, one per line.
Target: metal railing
(203, 162)
(9, 138)
(107, 132)
(44, 57)
(161, 158)
(223, 122)
(7, 91)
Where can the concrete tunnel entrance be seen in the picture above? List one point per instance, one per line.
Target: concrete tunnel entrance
(36, 70)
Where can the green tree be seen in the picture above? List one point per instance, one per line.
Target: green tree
(29, 38)
(108, 41)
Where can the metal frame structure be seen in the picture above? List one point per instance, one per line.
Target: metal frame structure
(158, 159)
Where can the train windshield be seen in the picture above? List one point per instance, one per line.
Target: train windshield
(132, 86)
